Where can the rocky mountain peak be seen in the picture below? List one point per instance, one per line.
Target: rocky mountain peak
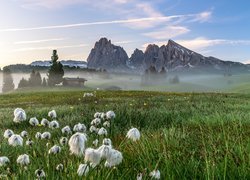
(106, 55)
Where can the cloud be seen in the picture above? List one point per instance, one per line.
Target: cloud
(167, 32)
(39, 41)
(49, 47)
(124, 21)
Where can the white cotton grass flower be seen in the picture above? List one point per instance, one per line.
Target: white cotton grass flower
(8, 133)
(59, 167)
(92, 156)
(106, 124)
(46, 135)
(83, 169)
(54, 124)
(17, 110)
(38, 135)
(139, 176)
(104, 151)
(97, 115)
(15, 140)
(45, 122)
(114, 158)
(29, 142)
(103, 116)
(19, 115)
(79, 128)
(133, 134)
(24, 134)
(66, 130)
(77, 143)
(110, 115)
(155, 174)
(23, 160)
(52, 114)
(34, 121)
(93, 129)
(95, 122)
(40, 173)
(95, 142)
(107, 141)
(102, 131)
(88, 95)
(63, 141)
(55, 149)
(4, 160)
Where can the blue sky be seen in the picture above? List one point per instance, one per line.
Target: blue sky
(31, 29)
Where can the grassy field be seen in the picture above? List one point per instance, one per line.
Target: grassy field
(184, 135)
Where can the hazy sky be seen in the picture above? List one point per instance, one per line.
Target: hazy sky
(31, 29)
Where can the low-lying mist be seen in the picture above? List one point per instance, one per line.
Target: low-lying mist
(171, 83)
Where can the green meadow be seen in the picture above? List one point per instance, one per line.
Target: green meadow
(184, 135)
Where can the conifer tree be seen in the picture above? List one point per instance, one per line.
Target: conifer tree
(56, 72)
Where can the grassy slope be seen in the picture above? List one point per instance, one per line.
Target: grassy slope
(185, 135)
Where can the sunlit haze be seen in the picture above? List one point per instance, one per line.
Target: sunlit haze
(31, 29)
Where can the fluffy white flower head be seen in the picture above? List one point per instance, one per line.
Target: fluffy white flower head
(63, 141)
(59, 167)
(133, 134)
(114, 158)
(107, 141)
(33, 121)
(79, 128)
(40, 173)
(24, 133)
(46, 135)
(29, 142)
(110, 115)
(102, 131)
(95, 122)
(45, 122)
(104, 151)
(8, 133)
(97, 115)
(52, 114)
(93, 156)
(155, 174)
(38, 135)
(54, 124)
(55, 149)
(66, 130)
(19, 115)
(15, 140)
(77, 143)
(4, 160)
(23, 160)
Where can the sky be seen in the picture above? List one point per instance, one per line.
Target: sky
(31, 29)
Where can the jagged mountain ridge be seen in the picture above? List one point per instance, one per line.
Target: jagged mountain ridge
(172, 57)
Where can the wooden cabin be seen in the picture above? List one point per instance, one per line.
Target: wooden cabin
(74, 82)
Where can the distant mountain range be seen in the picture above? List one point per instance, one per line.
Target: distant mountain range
(69, 63)
(172, 57)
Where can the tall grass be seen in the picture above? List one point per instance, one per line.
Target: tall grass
(185, 136)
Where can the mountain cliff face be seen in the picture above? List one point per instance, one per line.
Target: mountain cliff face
(172, 57)
(136, 60)
(107, 56)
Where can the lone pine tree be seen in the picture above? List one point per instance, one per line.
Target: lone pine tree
(56, 72)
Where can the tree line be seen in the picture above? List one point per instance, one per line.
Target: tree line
(54, 76)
